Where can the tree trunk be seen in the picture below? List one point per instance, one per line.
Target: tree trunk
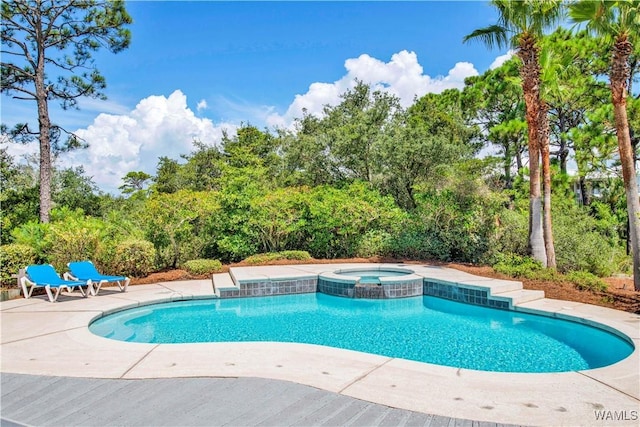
(518, 159)
(45, 160)
(508, 158)
(563, 154)
(546, 186)
(585, 192)
(530, 73)
(618, 79)
(563, 150)
(44, 138)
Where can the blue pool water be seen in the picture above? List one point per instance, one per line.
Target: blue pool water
(424, 329)
(372, 276)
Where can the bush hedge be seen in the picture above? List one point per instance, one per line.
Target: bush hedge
(275, 256)
(13, 257)
(202, 266)
(586, 281)
(135, 258)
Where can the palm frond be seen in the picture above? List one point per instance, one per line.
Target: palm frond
(583, 11)
(629, 16)
(493, 35)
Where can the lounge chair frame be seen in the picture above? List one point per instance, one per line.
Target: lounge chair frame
(99, 279)
(29, 285)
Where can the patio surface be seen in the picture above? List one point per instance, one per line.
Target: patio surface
(53, 339)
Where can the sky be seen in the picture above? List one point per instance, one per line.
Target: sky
(197, 68)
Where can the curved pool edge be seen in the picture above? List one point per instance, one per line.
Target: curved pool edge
(53, 339)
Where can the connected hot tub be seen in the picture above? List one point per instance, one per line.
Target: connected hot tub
(375, 283)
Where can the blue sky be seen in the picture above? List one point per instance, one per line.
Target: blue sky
(196, 68)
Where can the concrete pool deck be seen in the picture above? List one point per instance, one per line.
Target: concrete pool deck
(53, 339)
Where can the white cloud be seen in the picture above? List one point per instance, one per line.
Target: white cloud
(102, 106)
(401, 76)
(501, 60)
(238, 110)
(202, 105)
(158, 126)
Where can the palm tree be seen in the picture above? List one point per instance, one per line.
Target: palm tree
(618, 23)
(520, 26)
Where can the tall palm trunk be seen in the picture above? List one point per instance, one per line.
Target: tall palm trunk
(618, 78)
(543, 130)
(530, 74)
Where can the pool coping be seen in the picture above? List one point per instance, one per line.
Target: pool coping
(45, 338)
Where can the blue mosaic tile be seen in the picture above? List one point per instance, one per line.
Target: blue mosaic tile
(462, 294)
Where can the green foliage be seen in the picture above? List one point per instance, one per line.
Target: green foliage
(526, 267)
(374, 243)
(118, 227)
(134, 182)
(19, 195)
(34, 234)
(173, 223)
(453, 223)
(584, 242)
(278, 219)
(586, 281)
(495, 101)
(71, 236)
(366, 179)
(47, 53)
(202, 266)
(72, 189)
(339, 218)
(510, 234)
(518, 266)
(167, 178)
(203, 168)
(135, 258)
(13, 257)
(276, 256)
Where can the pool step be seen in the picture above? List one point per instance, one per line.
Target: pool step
(520, 296)
(223, 283)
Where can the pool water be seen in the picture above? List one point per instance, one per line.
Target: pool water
(424, 329)
(372, 276)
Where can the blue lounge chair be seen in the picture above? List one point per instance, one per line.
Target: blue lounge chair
(45, 276)
(85, 270)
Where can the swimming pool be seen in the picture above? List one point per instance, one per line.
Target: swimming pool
(425, 329)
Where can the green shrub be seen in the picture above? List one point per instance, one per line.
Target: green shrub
(33, 234)
(13, 257)
(374, 243)
(338, 218)
(511, 233)
(586, 281)
(583, 243)
(517, 266)
(524, 267)
(202, 266)
(71, 242)
(118, 227)
(234, 247)
(174, 223)
(135, 258)
(274, 256)
(296, 255)
(448, 224)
